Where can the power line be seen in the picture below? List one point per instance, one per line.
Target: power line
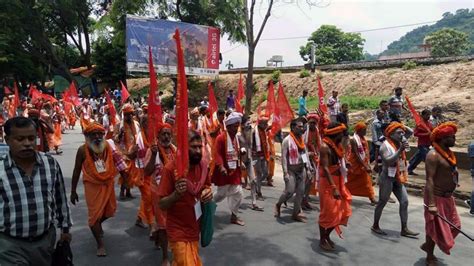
(360, 31)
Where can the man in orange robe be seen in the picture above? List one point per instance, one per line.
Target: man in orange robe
(179, 197)
(335, 199)
(313, 141)
(158, 155)
(99, 165)
(359, 180)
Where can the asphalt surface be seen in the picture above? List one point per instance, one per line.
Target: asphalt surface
(264, 240)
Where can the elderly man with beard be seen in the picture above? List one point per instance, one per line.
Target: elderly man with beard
(99, 166)
(179, 196)
(157, 156)
(228, 167)
(393, 176)
(295, 163)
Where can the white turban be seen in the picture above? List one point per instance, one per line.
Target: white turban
(234, 117)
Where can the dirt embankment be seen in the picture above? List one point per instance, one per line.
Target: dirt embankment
(450, 86)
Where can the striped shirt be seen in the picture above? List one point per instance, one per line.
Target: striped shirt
(29, 205)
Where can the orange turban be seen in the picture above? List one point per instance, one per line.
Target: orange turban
(127, 109)
(161, 126)
(335, 130)
(443, 130)
(360, 126)
(94, 127)
(392, 127)
(313, 116)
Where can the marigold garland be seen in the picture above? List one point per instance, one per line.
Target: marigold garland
(337, 148)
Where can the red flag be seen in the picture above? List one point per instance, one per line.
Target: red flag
(155, 116)
(7, 90)
(15, 103)
(283, 113)
(37, 94)
(181, 112)
(124, 93)
(212, 100)
(322, 105)
(416, 116)
(271, 103)
(112, 111)
(70, 95)
(240, 95)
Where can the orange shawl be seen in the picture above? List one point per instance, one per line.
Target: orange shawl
(90, 171)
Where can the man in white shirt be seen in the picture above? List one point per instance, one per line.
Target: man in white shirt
(334, 106)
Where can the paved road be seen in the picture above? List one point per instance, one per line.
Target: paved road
(264, 240)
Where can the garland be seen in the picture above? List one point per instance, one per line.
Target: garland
(338, 149)
(448, 156)
(299, 141)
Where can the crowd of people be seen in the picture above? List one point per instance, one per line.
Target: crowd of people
(229, 152)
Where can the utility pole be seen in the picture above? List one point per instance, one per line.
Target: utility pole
(313, 56)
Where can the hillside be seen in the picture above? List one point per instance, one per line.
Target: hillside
(462, 20)
(450, 86)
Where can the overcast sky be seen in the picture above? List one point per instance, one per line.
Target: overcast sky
(293, 18)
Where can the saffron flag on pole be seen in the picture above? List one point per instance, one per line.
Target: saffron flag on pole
(16, 101)
(124, 93)
(271, 102)
(70, 95)
(155, 116)
(212, 101)
(283, 113)
(112, 110)
(322, 106)
(7, 90)
(240, 95)
(416, 116)
(181, 112)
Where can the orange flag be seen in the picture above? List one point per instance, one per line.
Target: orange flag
(322, 105)
(112, 111)
(70, 95)
(124, 93)
(271, 103)
(181, 112)
(155, 116)
(212, 100)
(283, 113)
(240, 95)
(16, 102)
(416, 116)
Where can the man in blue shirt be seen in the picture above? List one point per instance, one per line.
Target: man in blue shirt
(470, 151)
(230, 103)
(302, 111)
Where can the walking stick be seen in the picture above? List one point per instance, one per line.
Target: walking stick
(452, 225)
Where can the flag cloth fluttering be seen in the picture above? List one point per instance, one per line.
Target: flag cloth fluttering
(212, 101)
(271, 102)
(181, 112)
(112, 110)
(124, 93)
(416, 116)
(15, 103)
(322, 106)
(36, 94)
(70, 95)
(283, 113)
(155, 116)
(240, 95)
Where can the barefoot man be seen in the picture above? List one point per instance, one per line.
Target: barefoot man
(158, 155)
(99, 166)
(359, 179)
(335, 199)
(295, 164)
(441, 181)
(393, 176)
(179, 197)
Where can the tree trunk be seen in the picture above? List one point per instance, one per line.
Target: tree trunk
(249, 82)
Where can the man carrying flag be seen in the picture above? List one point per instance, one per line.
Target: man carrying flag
(422, 132)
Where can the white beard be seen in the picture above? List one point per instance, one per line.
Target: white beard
(97, 149)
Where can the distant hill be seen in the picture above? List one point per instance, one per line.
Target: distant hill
(462, 20)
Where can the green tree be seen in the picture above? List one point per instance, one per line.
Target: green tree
(333, 46)
(448, 42)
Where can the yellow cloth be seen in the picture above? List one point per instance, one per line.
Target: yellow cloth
(185, 253)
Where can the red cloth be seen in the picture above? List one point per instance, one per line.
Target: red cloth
(334, 212)
(283, 113)
(181, 110)
(423, 140)
(271, 103)
(322, 106)
(181, 224)
(212, 101)
(155, 115)
(440, 231)
(240, 96)
(221, 159)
